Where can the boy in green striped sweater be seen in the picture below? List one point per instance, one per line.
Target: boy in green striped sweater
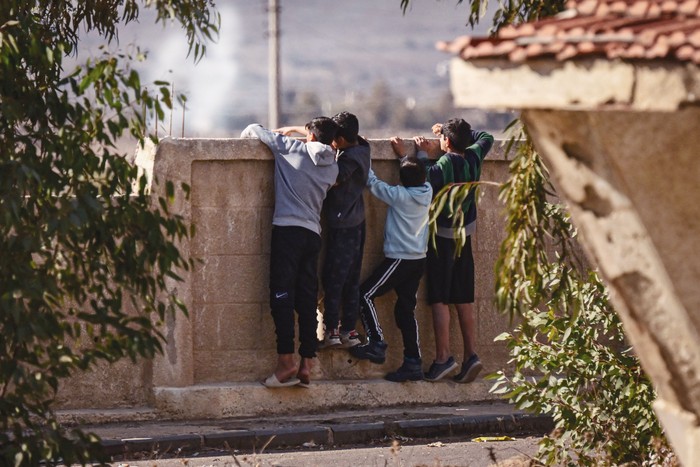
(450, 277)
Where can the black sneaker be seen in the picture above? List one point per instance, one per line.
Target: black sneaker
(373, 351)
(469, 370)
(410, 371)
(438, 371)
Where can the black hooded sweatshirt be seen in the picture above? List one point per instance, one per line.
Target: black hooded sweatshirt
(344, 204)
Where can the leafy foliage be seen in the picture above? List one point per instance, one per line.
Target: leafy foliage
(508, 12)
(451, 198)
(569, 352)
(86, 255)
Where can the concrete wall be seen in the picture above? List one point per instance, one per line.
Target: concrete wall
(229, 336)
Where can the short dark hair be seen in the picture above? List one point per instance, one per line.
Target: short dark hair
(411, 171)
(348, 126)
(323, 128)
(459, 132)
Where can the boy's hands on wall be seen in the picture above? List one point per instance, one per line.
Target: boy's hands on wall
(398, 146)
(432, 147)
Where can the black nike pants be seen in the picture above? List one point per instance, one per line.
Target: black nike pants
(294, 286)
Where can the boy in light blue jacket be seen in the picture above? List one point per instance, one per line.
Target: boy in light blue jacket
(405, 246)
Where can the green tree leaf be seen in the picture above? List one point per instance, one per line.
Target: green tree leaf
(84, 254)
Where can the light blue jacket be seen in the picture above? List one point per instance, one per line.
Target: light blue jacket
(406, 228)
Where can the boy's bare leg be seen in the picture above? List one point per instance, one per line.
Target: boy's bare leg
(441, 326)
(305, 366)
(465, 312)
(286, 367)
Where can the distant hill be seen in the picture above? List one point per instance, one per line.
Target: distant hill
(335, 56)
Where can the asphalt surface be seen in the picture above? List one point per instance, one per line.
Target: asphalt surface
(353, 428)
(509, 453)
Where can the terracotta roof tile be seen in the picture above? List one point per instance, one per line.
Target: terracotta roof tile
(627, 29)
(688, 7)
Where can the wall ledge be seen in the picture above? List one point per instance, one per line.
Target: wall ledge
(224, 400)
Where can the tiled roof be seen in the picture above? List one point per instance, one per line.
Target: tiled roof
(627, 29)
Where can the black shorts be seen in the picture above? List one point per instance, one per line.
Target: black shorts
(450, 278)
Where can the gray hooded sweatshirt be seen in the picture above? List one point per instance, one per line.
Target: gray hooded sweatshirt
(304, 172)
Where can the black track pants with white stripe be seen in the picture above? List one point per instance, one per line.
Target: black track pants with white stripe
(402, 276)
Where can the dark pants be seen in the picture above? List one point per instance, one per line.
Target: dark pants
(341, 276)
(402, 276)
(294, 286)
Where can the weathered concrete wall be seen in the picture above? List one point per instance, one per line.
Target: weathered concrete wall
(121, 384)
(232, 203)
(631, 182)
(574, 85)
(229, 336)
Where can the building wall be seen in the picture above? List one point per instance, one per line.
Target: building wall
(229, 335)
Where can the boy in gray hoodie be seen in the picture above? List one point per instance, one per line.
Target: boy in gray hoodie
(304, 172)
(405, 246)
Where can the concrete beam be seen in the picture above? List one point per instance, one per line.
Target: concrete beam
(574, 85)
(630, 180)
(621, 139)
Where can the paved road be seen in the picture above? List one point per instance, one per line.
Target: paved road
(443, 454)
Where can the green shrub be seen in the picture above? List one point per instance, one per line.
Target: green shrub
(569, 352)
(86, 255)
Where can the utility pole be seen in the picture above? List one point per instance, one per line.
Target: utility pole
(273, 65)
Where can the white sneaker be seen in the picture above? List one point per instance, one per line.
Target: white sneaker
(350, 339)
(331, 340)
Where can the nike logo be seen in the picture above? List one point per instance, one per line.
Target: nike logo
(281, 294)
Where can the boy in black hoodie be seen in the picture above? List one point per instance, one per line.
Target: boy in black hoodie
(345, 215)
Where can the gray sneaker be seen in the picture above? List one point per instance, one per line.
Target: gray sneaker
(469, 370)
(349, 339)
(332, 339)
(438, 371)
